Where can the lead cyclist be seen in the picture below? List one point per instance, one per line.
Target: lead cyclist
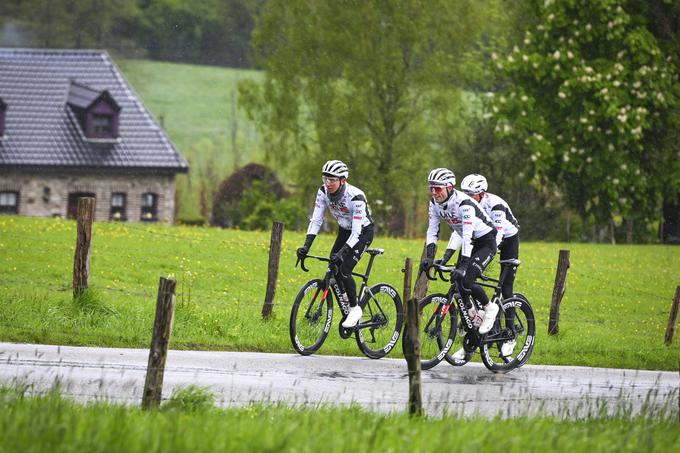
(348, 205)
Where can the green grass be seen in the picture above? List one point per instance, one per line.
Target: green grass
(614, 313)
(194, 105)
(53, 423)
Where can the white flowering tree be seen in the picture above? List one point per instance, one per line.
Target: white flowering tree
(591, 97)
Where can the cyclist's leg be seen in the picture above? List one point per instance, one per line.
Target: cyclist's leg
(365, 239)
(483, 252)
(480, 258)
(509, 250)
(340, 240)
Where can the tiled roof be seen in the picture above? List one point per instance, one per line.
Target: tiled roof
(40, 130)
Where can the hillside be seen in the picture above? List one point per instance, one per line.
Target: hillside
(197, 107)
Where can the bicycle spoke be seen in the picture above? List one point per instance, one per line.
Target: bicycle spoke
(380, 326)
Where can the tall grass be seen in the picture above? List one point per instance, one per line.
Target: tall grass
(53, 423)
(614, 313)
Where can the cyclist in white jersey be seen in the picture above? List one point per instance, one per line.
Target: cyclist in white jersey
(475, 185)
(348, 205)
(473, 232)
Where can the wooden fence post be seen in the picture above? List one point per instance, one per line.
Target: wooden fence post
(421, 281)
(273, 268)
(411, 344)
(162, 327)
(673, 317)
(81, 260)
(558, 292)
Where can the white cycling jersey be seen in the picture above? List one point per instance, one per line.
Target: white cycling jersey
(500, 213)
(465, 217)
(350, 210)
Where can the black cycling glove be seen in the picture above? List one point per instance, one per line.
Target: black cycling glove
(429, 258)
(302, 251)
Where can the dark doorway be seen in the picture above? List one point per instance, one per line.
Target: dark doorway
(72, 211)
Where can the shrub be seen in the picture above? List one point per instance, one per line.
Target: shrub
(252, 198)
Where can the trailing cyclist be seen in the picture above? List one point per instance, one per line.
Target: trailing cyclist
(349, 206)
(475, 185)
(473, 232)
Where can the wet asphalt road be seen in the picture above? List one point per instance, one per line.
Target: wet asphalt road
(239, 378)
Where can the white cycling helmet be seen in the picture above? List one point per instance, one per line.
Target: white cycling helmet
(335, 168)
(441, 177)
(474, 184)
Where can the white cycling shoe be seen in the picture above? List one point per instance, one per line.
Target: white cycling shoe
(353, 317)
(490, 312)
(508, 347)
(459, 354)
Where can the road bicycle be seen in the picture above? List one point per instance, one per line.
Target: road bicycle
(515, 321)
(310, 318)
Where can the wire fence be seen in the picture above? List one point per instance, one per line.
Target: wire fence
(215, 289)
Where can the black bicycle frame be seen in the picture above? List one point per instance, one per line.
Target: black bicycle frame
(468, 324)
(338, 289)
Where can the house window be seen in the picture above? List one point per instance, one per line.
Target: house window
(118, 204)
(72, 207)
(9, 202)
(150, 207)
(102, 125)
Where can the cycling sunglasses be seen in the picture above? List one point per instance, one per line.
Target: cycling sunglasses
(329, 179)
(437, 189)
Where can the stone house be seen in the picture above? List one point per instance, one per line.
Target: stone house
(71, 126)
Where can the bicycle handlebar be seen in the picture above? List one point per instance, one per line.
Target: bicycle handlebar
(439, 269)
(301, 261)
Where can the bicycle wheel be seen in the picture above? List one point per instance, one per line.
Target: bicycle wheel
(459, 342)
(437, 333)
(521, 327)
(310, 317)
(380, 326)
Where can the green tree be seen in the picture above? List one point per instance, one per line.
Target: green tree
(72, 23)
(591, 96)
(376, 84)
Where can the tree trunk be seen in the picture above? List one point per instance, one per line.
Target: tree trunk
(629, 231)
(568, 226)
(670, 232)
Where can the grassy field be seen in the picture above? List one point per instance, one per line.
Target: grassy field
(196, 106)
(614, 313)
(56, 424)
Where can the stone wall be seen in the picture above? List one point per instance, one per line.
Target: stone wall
(46, 194)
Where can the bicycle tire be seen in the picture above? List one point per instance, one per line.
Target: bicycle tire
(436, 334)
(524, 332)
(310, 317)
(380, 326)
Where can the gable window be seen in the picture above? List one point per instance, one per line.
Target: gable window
(96, 111)
(150, 207)
(9, 202)
(118, 205)
(102, 125)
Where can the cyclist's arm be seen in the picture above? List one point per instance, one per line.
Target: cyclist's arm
(455, 241)
(467, 214)
(433, 227)
(317, 216)
(358, 205)
(498, 218)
